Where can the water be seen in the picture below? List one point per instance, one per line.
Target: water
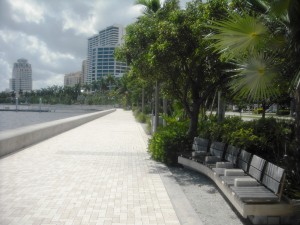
(12, 119)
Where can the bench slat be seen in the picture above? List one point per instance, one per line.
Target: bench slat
(256, 167)
(200, 144)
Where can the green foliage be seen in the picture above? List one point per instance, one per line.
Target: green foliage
(283, 112)
(258, 111)
(239, 34)
(243, 138)
(260, 40)
(157, 49)
(168, 141)
(211, 129)
(140, 117)
(264, 136)
(105, 91)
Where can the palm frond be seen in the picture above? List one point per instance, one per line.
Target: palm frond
(239, 34)
(152, 6)
(279, 8)
(295, 84)
(259, 6)
(255, 78)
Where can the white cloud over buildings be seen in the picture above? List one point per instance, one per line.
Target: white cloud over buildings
(52, 34)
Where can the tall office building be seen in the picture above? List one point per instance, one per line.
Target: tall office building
(71, 79)
(83, 79)
(100, 58)
(21, 76)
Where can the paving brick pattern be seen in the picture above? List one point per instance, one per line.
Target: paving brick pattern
(97, 174)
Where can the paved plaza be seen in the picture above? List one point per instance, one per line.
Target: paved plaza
(98, 173)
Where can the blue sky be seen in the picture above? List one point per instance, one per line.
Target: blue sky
(52, 34)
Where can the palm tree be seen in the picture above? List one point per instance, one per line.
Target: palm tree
(260, 46)
(151, 8)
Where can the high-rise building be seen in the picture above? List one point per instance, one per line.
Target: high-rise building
(83, 79)
(21, 77)
(71, 79)
(100, 58)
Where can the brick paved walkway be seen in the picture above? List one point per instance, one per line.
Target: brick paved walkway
(98, 173)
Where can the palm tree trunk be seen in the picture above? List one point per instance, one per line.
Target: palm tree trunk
(297, 119)
(165, 110)
(264, 106)
(156, 117)
(212, 104)
(194, 115)
(221, 107)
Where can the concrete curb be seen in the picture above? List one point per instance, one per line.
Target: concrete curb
(185, 212)
(14, 140)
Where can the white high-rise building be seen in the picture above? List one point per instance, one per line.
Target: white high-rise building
(100, 58)
(83, 79)
(21, 77)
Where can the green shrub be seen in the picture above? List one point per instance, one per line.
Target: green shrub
(168, 141)
(283, 112)
(204, 126)
(258, 111)
(141, 117)
(243, 138)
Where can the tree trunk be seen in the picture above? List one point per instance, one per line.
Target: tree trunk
(297, 118)
(156, 118)
(192, 132)
(143, 100)
(221, 107)
(165, 110)
(212, 104)
(292, 107)
(264, 106)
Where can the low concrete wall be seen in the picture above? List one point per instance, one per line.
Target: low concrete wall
(14, 140)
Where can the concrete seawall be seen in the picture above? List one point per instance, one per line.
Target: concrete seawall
(14, 140)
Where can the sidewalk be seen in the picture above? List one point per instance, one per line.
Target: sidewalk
(99, 173)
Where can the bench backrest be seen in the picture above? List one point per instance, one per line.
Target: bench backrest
(200, 144)
(244, 160)
(217, 149)
(256, 167)
(273, 178)
(231, 154)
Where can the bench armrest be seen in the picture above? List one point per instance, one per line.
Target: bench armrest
(245, 182)
(212, 159)
(199, 153)
(226, 165)
(234, 172)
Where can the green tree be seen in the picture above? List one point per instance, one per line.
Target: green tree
(170, 47)
(264, 45)
(151, 9)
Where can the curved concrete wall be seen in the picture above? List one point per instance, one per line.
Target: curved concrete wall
(14, 140)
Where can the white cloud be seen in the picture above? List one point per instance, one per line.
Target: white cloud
(44, 78)
(5, 72)
(52, 34)
(72, 21)
(34, 46)
(26, 10)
